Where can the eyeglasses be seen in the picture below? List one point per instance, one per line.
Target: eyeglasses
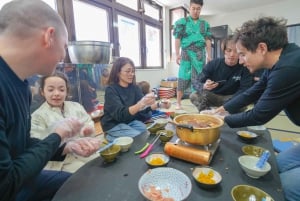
(129, 72)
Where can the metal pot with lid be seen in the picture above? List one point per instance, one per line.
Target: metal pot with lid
(206, 128)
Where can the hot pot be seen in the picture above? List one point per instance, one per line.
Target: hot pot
(205, 128)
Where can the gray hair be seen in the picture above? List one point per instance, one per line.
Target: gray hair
(21, 18)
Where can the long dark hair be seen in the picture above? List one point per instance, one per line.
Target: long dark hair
(116, 69)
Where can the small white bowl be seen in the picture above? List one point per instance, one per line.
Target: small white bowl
(157, 156)
(124, 142)
(248, 164)
(247, 136)
(257, 129)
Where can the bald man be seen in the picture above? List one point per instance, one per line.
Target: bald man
(33, 39)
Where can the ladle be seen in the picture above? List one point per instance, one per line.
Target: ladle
(188, 126)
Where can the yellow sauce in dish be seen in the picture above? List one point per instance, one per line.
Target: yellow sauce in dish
(206, 178)
(156, 161)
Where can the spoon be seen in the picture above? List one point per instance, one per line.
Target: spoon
(107, 146)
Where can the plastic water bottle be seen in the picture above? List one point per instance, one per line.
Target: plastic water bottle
(263, 158)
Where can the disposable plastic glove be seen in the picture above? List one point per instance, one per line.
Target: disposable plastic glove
(87, 131)
(147, 100)
(85, 146)
(67, 128)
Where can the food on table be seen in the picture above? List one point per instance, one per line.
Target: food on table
(206, 178)
(157, 161)
(143, 148)
(155, 194)
(244, 134)
(196, 123)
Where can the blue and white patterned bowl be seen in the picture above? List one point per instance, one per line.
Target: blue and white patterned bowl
(165, 182)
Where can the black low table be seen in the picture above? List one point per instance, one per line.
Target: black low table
(118, 181)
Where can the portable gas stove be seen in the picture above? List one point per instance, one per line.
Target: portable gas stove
(212, 148)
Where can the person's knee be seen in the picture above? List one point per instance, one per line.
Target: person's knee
(290, 184)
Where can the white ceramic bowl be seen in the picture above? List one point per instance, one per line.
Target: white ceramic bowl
(158, 157)
(124, 142)
(248, 164)
(257, 129)
(164, 182)
(206, 177)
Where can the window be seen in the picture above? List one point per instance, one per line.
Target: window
(151, 11)
(129, 3)
(129, 39)
(134, 27)
(293, 32)
(153, 47)
(175, 14)
(83, 14)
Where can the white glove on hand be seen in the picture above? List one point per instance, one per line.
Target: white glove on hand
(85, 146)
(87, 131)
(67, 128)
(147, 101)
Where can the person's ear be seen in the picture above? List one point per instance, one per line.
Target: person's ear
(49, 37)
(262, 48)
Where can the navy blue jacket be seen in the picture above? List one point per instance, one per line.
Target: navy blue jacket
(277, 90)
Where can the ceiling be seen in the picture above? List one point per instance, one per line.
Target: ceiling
(213, 7)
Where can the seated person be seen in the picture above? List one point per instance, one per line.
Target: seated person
(54, 89)
(233, 76)
(124, 102)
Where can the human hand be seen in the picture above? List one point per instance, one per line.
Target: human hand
(87, 131)
(68, 128)
(147, 101)
(210, 85)
(85, 146)
(219, 112)
(178, 58)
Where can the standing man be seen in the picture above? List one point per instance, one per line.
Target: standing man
(33, 39)
(221, 79)
(193, 37)
(263, 43)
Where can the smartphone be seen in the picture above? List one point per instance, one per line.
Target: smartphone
(221, 81)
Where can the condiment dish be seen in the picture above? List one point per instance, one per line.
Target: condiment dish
(248, 164)
(124, 142)
(249, 193)
(247, 136)
(206, 177)
(253, 150)
(157, 159)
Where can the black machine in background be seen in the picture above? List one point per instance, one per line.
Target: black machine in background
(219, 33)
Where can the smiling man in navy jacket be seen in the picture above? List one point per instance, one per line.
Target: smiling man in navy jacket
(263, 43)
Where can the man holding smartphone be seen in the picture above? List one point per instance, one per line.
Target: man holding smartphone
(221, 79)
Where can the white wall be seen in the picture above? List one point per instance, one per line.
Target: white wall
(288, 9)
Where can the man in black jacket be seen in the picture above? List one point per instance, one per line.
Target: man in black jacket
(33, 39)
(221, 79)
(263, 43)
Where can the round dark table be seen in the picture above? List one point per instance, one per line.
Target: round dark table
(118, 181)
